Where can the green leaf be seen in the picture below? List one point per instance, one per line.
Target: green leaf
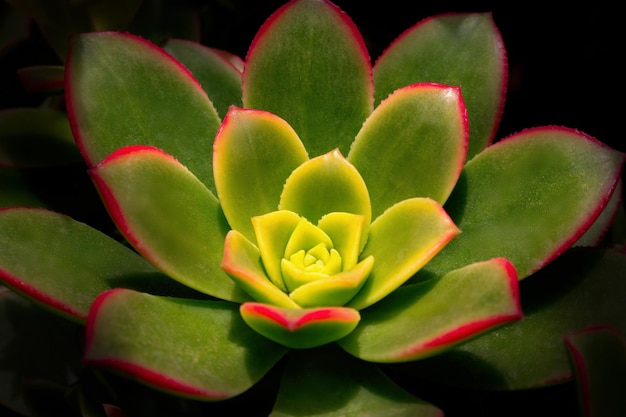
(63, 265)
(528, 198)
(192, 348)
(242, 261)
(328, 383)
(456, 49)
(582, 288)
(169, 216)
(123, 90)
(402, 240)
(254, 153)
(218, 77)
(326, 184)
(314, 41)
(418, 138)
(273, 231)
(34, 345)
(300, 328)
(596, 232)
(58, 19)
(335, 290)
(35, 137)
(598, 357)
(47, 79)
(15, 190)
(421, 320)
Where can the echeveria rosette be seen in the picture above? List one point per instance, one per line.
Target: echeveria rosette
(409, 151)
(317, 251)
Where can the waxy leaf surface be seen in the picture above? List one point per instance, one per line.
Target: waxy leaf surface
(418, 138)
(219, 78)
(169, 216)
(328, 383)
(202, 350)
(254, 153)
(300, 328)
(417, 321)
(63, 264)
(401, 241)
(312, 41)
(326, 184)
(528, 198)
(457, 49)
(242, 261)
(123, 90)
(34, 345)
(582, 288)
(35, 137)
(598, 356)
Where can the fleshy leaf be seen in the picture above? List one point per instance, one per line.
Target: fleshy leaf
(593, 236)
(242, 261)
(194, 348)
(219, 78)
(327, 382)
(418, 138)
(46, 79)
(345, 231)
(528, 198)
(254, 153)
(63, 264)
(582, 288)
(335, 290)
(402, 240)
(15, 191)
(326, 184)
(35, 137)
(311, 40)
(300, 328)
(169, 216)
(458, 49)
(123, 90)
(34, 344)
(420, 320)
(598, 356)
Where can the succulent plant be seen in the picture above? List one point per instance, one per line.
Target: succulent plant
(310, 223)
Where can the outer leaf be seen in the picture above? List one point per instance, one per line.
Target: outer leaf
(254, 153)
(300, 328)
(219, 77)
(123, 90)
(598, 356)
(63, 264)
(418, 138)
(34, 344)
(15, 191)
(169, 216)
(59, 19)
(326, 382)
(463, 50)
(402, 240)
(35, 137)
(528, 198)
(423, 319)
(582, 288)
(193, 348)
(42, 78)
(242, 261)
(594, 235)
(326, 184)
(311, 40)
